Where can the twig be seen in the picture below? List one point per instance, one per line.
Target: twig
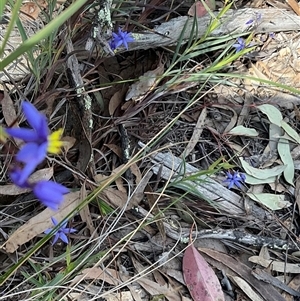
(233, 22)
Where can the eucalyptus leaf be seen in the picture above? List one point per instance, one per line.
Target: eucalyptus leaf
(272, 201)
(275, 132)
(254, 181)
(274, 115)
(262, 173)
(243, 131)
(286, 157)
(290, 131)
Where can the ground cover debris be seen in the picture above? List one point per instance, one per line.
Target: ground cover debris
(149, 150)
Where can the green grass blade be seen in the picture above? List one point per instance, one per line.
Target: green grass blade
(43, 33)
(2, 5)
(15, 13)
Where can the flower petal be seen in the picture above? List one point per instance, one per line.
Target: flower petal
(48, 231)
(56, 237)
(54, 221)
(19, 177)
(24, 134)
(63, 237)
(230, 184)
(33, 116)
(69, 230)
(50, 193)
(238, 184)
(32, 152)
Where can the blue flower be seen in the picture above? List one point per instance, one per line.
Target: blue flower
(37, 121)
(17, 177)
(38, 141)
(120, 38)
(51, 194)
(257, 19)
(235, 179)
(31, 154)
(240, 45)
(61, 232)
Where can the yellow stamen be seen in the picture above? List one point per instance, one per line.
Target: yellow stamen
(55, 143)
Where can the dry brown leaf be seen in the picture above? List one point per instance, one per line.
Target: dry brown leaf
(10, 114)
(198, 129)
(138, 194)
(136, 172)
(145, 84)
(119, 181)
(108, 275)
(42, 174)
(29, 11)
(155, 289)
(294, 5)
(120, 185)
(115, 197)
(246, 288)
(115, 102)
(39, 223)
(152, 200)
(264, 276)
(85, 213)
(297, 112)
(8, 110)
(199, 8)
(294, 284)
(159, 278)
(100, 177)
(114, 148)
(277, 266)
(68, 143)
(124, 296)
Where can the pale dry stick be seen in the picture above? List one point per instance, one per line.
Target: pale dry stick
(236, 235)
(233, 22)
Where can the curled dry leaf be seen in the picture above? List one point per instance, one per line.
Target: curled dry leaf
(68, 143)
(200, 278)
(146, 84)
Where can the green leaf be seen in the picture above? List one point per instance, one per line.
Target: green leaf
(2, 5)
(274, 115)
(254, 181)
(262, 173)
(272, 201)
(290, 131)
(286, 157)
(240, 130)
